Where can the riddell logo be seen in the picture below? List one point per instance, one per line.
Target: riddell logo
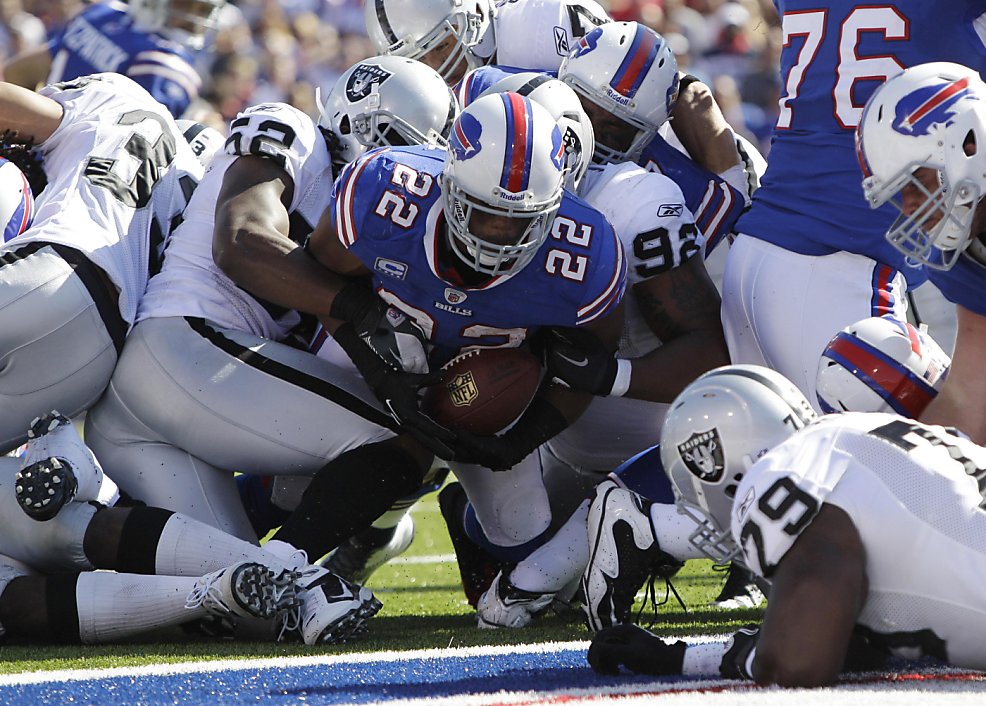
(462, 389)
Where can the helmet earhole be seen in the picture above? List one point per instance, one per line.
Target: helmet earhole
(969, 144)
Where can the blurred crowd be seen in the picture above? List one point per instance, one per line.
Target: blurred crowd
(280, 50)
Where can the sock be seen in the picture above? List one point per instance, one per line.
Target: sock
(347, 494)
(561, 560)
(156, 541)
(113, 606)
(672, 530)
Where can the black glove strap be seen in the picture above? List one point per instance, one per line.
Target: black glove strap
(352, 302)
(363, 357)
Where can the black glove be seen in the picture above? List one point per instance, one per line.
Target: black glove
(540, 422)
(579, 359)
(639, 650)
(738, 649)
(386, 330)
(398, 391)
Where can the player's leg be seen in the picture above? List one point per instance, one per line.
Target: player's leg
(188, 400)
(96, 607)
(60, 329)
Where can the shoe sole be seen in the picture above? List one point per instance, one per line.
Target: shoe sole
(256, 591)
(44, 487)
(351, 625)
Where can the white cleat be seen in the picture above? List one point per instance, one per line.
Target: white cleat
(54, 436)
(245, 590)
(503, 605)
(362, 554)
(331, 610)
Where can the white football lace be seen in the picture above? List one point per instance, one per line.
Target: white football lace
(207, 592)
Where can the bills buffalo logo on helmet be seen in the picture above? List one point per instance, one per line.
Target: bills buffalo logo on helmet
(702, 454)
(924, 108)
(557, 148)
(465, 137)
(362, 81)
(588, 42)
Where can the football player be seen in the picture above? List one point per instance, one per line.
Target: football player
(118, 173)
(811, 257)
(58, 558)
(920, 146)
(213, 380)
(819, 509)
(154, 42)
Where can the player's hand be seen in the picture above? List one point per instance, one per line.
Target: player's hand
(736, 662)
(639, 650)
(389, 333)
(579, 360)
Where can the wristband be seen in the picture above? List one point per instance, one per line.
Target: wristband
(703, 658)
(621, 384)
(352, 302)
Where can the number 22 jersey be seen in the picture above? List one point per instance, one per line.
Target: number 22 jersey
(387, 210)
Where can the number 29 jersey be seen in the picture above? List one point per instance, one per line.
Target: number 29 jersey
(387, 210)
(914, 494)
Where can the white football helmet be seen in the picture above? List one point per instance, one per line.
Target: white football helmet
(506, 158)
(924, 117)
(16, 200)
(565, 107)
(184, 21)
(881, 364)
(387, 100)
(412, 28)
(629, 70)
(715, 430)
(205, 141)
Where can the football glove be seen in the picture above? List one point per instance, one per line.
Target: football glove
(639, 650)
(737, 662)
(398, 392)
(578, 359)
(390, 333)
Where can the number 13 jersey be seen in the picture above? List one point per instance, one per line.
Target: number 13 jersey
(913, 492)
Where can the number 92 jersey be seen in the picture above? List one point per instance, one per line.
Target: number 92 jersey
(118, 172)
(387, 209)
(913, 493)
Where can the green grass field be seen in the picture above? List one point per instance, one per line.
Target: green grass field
(424, 607)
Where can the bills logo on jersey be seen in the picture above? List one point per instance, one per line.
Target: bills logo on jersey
(702, 455)
(921, 110)
(363, 80)
(454, 296)
(465, 136)
(586, 44)
(561, 41)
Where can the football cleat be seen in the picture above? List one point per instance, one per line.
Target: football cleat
(54, 436)
(477, 567)
(43, 488)
(331, 610)
(739, 591)
(503, 605)
(362, 554)
(623, 554)
(244, 590)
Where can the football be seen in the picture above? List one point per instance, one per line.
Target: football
(484, 390)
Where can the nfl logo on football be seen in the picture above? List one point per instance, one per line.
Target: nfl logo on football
(462, 389)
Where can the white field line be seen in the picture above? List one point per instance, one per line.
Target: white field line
(424, 559)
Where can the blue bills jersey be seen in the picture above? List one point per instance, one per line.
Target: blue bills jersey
(387, 210)
(835, 55)
(715, 204)
(102, 38)
(964, 284)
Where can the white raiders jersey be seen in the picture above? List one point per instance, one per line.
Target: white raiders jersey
(119, 174)
(537, 34)
(658, 232)
(915, 494)
(190, 283)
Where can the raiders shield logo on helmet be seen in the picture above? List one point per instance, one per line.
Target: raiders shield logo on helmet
(702, 455)
(362, 81)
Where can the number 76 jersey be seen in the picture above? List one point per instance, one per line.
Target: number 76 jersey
(387, 209)
(915, 495)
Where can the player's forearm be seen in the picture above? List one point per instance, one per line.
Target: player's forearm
(663, 373)
(30, 114)
(702, 129)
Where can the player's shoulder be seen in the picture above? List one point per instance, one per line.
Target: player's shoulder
(280, 132)
(634, 182)
(100, 12)
(538, 34)
(98, 96)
